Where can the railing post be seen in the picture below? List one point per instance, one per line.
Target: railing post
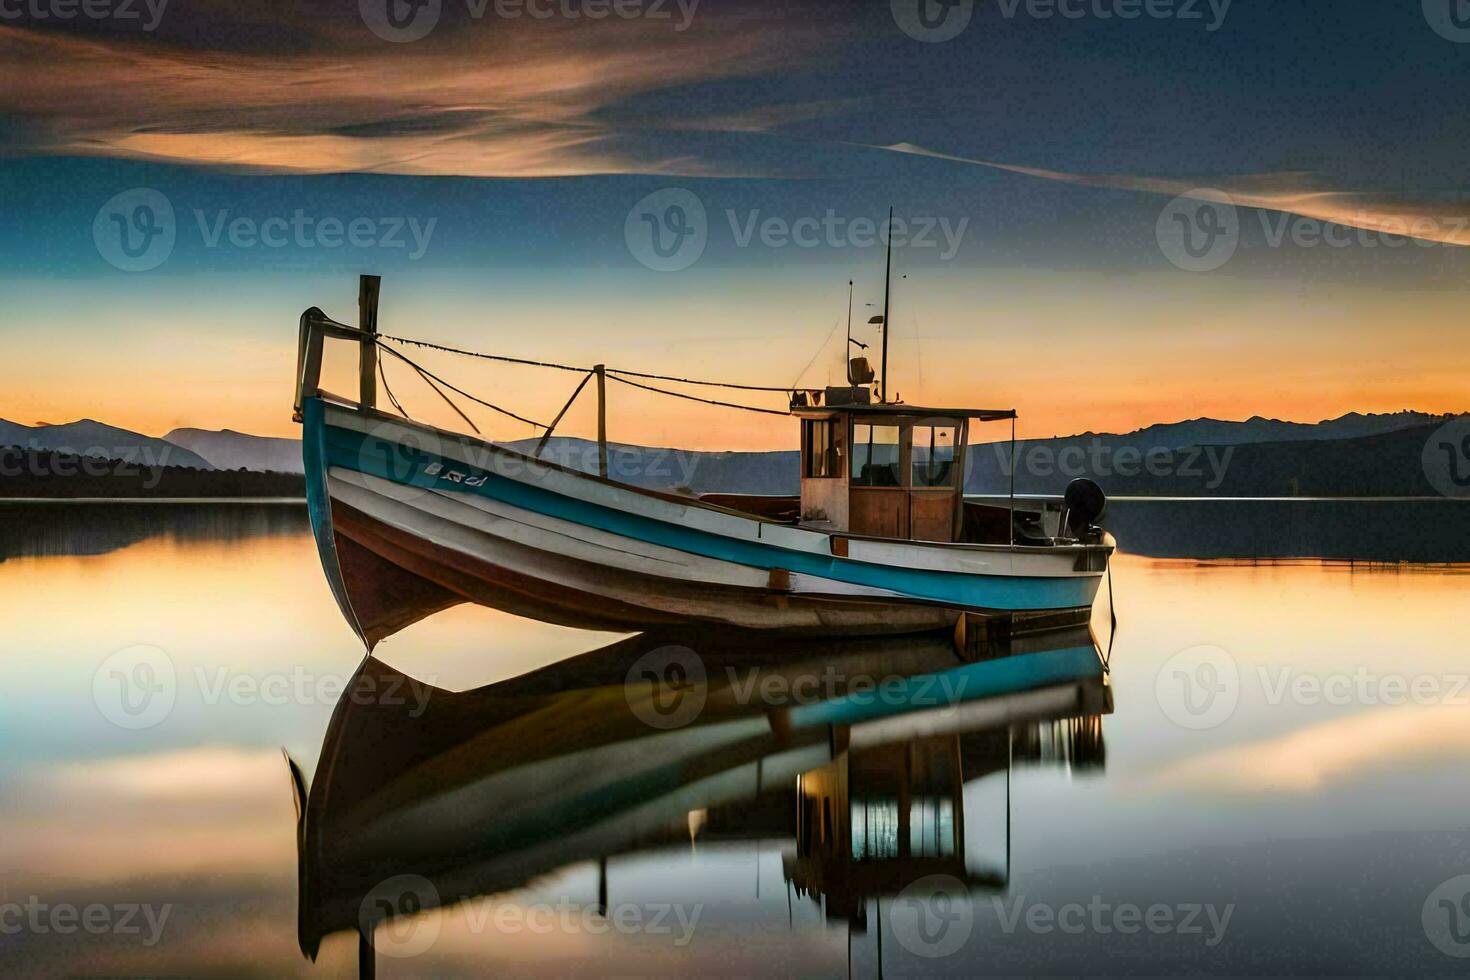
(367, 322)
(601, 372)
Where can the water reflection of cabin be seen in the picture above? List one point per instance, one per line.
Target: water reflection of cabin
(893, 471)
(874, 821)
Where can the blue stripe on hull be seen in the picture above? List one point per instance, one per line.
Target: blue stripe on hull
(358, 452)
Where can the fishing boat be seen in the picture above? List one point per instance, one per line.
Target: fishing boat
(410, 518)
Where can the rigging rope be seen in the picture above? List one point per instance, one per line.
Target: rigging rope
(571, 367)
(383, 376)
(479, 401)
(696, 398)
(613, 373)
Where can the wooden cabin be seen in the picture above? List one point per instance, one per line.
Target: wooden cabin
(892, 471)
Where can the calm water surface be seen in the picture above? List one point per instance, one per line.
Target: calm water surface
(1280, 785)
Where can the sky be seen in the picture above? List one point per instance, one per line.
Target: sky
(1111, 212)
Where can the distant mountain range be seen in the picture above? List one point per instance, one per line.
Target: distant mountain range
(227, 449)
(1352, 455)
(1214, 432)
(99, 440)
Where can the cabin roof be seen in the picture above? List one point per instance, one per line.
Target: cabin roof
(982, 414)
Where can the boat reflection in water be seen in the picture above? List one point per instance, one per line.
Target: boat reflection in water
(854, 752)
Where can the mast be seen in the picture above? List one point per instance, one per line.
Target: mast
(887, 281)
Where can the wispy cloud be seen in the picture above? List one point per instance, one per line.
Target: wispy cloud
(1304, 194)
(512, 99)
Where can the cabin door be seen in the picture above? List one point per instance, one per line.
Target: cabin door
(934, 470)
(877, 500)
(905, 479)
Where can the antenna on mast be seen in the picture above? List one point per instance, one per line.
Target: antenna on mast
(853, 376)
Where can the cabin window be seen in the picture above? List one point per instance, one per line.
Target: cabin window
(821, 450)
(933, 456)
(875, 456)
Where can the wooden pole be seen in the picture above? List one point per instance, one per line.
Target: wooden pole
(1012, 508)
(367, 322)
(887, 281)
(554, 422)
(367, 965)
(602, 886)
(601, 371)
